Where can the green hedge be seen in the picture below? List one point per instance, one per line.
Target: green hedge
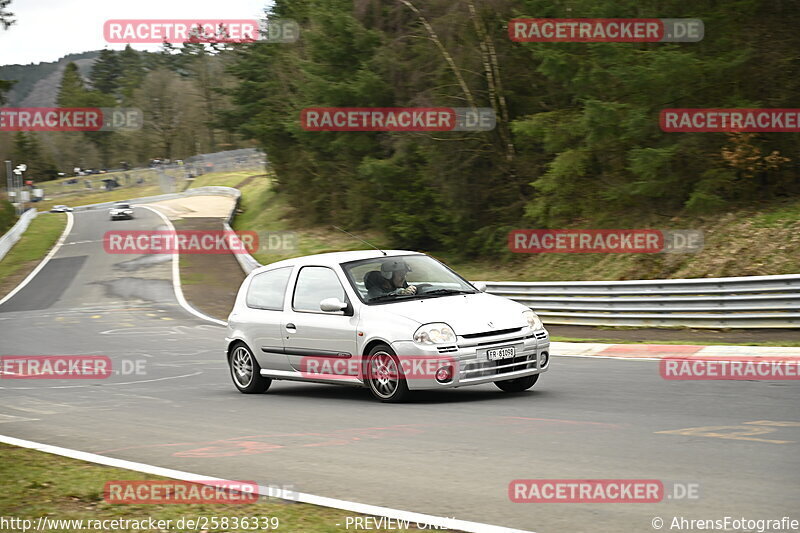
(7, 216)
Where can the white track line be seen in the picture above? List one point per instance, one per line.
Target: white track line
(44, 261)
(167, 378)
(176, 275)
(430, 520)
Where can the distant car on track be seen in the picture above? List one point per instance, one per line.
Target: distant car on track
(60, 209)
(121, 210)
(390, 321)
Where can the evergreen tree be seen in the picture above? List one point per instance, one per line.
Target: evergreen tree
(5, 22)
(132, 72)
(5, 86)
(106, 72)
(27, 150)
(72, 91)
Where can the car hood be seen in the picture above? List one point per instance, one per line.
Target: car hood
(465, 313)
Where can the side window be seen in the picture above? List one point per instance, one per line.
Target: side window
(314, 284)
(267, 290)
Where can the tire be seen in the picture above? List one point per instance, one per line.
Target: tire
(517, 385)
(386, 381)
(245, 372)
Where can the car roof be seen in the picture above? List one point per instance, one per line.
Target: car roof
(334, 258)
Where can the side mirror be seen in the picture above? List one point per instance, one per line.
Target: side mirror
(330, 305)
(481, 286)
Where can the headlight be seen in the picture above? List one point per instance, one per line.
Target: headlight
(533, 320)
(436, 333)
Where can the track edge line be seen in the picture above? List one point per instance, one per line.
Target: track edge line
(323, 501)
(176, 275)
(43, 262)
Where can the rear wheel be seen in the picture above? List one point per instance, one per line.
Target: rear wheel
(384, 376)
(517, 385)
(245, 371)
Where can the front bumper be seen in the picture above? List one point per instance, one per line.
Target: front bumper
(470, 362)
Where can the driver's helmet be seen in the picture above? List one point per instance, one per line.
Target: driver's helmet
(388, 268)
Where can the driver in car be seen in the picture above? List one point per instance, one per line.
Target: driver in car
(390, 280)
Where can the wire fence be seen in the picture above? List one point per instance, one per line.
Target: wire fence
(169, 176)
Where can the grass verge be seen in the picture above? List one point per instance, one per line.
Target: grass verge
(23, 257)
(56, 195)
(100, 196)
(758, 241)
(40, 484)
(261, 210)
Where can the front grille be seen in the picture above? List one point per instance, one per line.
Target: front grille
(541, 335)
(481, 369)
(490, 333)
(503, 364)
(447, 349)
(498, 341)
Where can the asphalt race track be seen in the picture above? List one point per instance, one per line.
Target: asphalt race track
(450, 453)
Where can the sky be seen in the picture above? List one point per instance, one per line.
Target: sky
(49, 29)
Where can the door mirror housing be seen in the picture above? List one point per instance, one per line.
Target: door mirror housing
(330, 305)
(481, 286)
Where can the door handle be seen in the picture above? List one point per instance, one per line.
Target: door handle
(291, 328)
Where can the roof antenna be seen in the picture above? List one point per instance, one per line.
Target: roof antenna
(360, 239)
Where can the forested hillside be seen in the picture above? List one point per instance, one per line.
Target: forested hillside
(577, 141)
(37, 85)
(577, 136)
(179, 91)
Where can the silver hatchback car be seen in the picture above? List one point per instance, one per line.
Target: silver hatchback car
(393, 321)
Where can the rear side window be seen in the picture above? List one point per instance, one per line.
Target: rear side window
(266, 290)
(315, 284)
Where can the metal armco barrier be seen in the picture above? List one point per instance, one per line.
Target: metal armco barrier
(741, 302)
(15, 233)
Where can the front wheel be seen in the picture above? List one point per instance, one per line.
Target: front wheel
(384, 376)
(517, 385)
(245, 371)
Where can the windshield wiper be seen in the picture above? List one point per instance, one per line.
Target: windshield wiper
(445, 292)
(385, 297)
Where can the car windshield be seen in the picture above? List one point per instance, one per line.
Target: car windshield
(406, 277)
(122, 206)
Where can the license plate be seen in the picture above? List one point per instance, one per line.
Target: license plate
(500, 353)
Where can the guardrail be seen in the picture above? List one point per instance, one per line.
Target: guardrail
(209, 190)
(739, 302)
(14, 234)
